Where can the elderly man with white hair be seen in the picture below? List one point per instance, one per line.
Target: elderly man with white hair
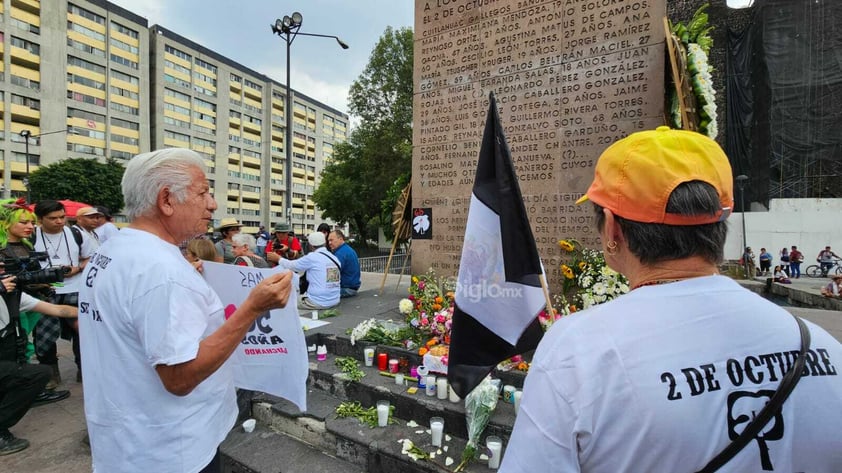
(159, 395)
(322, 270)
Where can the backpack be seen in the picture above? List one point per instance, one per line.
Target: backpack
(77, 235)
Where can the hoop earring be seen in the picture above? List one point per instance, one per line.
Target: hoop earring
(611, 247)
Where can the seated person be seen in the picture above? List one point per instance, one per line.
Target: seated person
(282, 245)
(832, 288)
(244, 246)
(322, 271)
(350, 280)
(780, 276)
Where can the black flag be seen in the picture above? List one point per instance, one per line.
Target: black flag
(499, 294)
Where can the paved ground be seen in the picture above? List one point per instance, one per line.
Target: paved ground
(56, 430)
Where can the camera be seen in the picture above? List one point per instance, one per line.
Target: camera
(29, 272)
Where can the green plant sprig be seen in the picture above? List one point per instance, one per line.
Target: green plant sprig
(366, 416)
(351, 367)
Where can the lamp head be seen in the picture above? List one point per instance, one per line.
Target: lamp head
(342, 43)
(297, 19)
(278, 27)
(25, 133)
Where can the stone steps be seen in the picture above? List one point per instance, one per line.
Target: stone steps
(374, 450)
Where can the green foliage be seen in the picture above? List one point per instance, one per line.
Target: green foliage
(378, 152)
(351, 367)
(80, 179)
(366, 416)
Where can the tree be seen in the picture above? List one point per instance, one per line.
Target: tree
(80, 179)
(378, 152)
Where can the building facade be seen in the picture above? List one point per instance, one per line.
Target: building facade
(86, 78)
(74, 77)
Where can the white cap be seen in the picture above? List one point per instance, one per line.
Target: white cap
(316, 239)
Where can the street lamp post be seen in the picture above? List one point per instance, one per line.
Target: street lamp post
(26, 134)
(741, 182)
(288, 28)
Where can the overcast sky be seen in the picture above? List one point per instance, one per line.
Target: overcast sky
(240, 31)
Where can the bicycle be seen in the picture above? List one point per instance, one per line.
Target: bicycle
(815, 270)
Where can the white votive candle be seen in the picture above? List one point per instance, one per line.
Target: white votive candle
(369, 356)
(430, 385)
(495, 446)
(437, 429)
(518, 395)
(441, 388)
(382, 413)
(399, 379)
(453, 396)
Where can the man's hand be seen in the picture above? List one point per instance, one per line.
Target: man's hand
(9, 283)
(272, 293)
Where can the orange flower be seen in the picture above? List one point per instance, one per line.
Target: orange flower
(450, 295)
(436, 306)
(523, 366)
(432, 342)
(573, 308)
(439, 300)
(423, 351)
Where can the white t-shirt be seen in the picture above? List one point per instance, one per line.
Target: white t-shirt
(144, 305)
(27, 302)
(63, 250)
(106, 231)
(608, 390)
(323, 274)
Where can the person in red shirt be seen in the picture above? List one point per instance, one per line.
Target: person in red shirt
(795, 259)
(282, 245)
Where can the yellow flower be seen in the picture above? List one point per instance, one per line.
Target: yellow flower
(582, 265)
(414, 279)
(568, 273)
(566, 245)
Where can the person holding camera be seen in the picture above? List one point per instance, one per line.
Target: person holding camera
(283, 245)
(21, 384)
(68, 248)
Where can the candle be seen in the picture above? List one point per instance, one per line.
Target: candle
(369, 356)
(495, 446)
(382, 360)
(413, 372)
(453, 396)
(430, 385)
(382, 413)
(441, 388)
(314, 315)
(508, 394)
(393, 365)
(321, 353)
(518, 395)
(436, 429)
(399, 379)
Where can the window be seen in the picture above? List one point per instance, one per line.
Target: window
(204, 129)
(124, 46)
(254, 85)
(124, 124)
(177, 67)
(125, 155)
(236, 78)
(75, 61)
(204, 77)
(27, 45)
(77, 79)
(204, 143)
(202, 103)
(24, 82)
(206, 65)
(85, 31)
(177, 108)
(124, 77)
(71, 8)
(122, 29)
(177, 53)
(85, 149)
(124, 93)
(175, 80)
(256, 121)
(99, 135)
(34, 104)
(176, 122)
(24, 25)
(234, 114)
(204, 117)
(125, 108)
(176, 136)
(252, 154)
(124, 139)
(204, 91)
(84, 47)
(176, 95)
(124, 61)
(85, 115)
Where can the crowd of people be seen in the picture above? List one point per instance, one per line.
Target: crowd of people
(790, 263)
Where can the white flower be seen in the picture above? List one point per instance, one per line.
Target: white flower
(405, 306)
(599, 289)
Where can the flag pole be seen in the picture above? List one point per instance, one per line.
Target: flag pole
(546, 295)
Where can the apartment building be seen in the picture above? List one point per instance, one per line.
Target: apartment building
(86, 78)
(235, 118)
(73, 77)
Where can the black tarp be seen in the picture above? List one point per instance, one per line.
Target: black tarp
(784, 100)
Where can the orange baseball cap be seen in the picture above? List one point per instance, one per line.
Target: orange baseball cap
(635, 176)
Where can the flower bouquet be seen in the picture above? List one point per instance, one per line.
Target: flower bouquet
(588, 280)
(479, 405)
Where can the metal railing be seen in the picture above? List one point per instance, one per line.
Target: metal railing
(377, 264)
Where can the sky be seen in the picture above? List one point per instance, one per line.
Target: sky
(240, 30)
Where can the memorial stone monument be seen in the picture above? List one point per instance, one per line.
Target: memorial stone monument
(570, 77)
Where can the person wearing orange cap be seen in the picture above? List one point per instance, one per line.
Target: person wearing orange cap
(87, 220)
(664, 378)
